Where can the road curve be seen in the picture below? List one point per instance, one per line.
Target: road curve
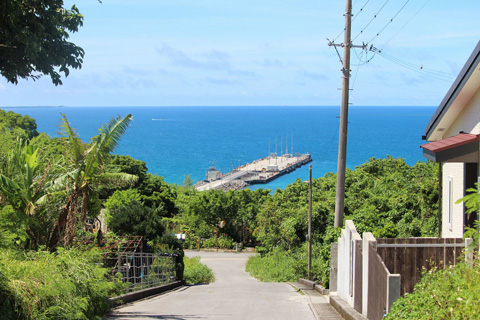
(233, 295)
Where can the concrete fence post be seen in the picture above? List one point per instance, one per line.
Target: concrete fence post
(345, 263)
(356, 271)
(393, 290)
(342, 264)
(469, 250)
(333, 266)
(368, 239)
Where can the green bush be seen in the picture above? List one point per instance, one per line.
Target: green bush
(275, 266)
(128, 215)
(68, 284)
(191, 242)
(223, 243)
(281, 265)
(451, 293)
(196, 272)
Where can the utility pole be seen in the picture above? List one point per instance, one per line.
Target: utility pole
(342, 135)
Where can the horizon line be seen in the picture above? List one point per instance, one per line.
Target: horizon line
(220, 106)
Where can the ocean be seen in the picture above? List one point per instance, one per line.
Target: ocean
(180, 141)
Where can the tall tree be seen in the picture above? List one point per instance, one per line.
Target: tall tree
(11, 120)
(88, 170)
(33, 39)
(14, 126)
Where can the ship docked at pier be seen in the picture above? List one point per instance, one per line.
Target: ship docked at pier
(259, 171)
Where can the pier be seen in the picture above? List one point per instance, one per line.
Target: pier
(259, 171)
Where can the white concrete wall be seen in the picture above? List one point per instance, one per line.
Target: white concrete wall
(342, 266)
(368, 239)
(452, 213)
(346, 266)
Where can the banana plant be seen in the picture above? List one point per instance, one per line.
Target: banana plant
(24, 185)
(88, 171)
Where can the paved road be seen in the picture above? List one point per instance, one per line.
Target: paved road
(233, 295)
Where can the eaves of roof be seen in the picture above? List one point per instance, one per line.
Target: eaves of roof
(469, 67)
(450, 142)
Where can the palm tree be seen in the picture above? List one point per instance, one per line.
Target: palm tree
(88, 170)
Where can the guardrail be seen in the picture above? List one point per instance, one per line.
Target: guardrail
(143, 270)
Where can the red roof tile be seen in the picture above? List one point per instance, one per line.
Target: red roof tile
(450, 142)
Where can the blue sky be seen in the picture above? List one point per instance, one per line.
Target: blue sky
(263, 52)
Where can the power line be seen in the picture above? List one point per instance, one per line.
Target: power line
(439, 75)
(390, 57)
(408, 22)
(361, 61)
(353, 19)
(383, 84)
(329, 145)
(355, 77)
(390, 21)
(371, 20)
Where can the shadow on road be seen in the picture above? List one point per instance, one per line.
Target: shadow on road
(136, 315)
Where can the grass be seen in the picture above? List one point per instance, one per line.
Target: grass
(196, 272)
(275, 266)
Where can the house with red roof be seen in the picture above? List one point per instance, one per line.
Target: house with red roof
(453, 142)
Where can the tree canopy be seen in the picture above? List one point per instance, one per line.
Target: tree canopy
(33, 39)
(14, 126)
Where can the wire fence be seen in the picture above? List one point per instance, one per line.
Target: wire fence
(142, 270)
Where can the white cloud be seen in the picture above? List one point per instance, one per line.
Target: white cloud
(212, 60)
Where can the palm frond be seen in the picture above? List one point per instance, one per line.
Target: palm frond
(67, 131)
(62, 182)
(109, 135)
(117, 180)
(92, 163)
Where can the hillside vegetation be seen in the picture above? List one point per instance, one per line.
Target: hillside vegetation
(383, 196)
(52, 189)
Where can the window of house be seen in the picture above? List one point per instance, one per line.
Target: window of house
(450, 202)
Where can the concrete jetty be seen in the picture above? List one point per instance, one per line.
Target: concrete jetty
(259, 171)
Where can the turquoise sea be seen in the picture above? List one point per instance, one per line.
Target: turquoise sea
(178, 141)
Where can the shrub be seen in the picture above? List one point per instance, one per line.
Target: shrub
(223, 243)
(451, 293)
(68, 284)
(196, 272)
(191, 241)
(275, 266)
(280, 265)
(127, 215)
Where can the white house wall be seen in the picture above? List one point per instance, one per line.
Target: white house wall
(452, 213)
(469, 119)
